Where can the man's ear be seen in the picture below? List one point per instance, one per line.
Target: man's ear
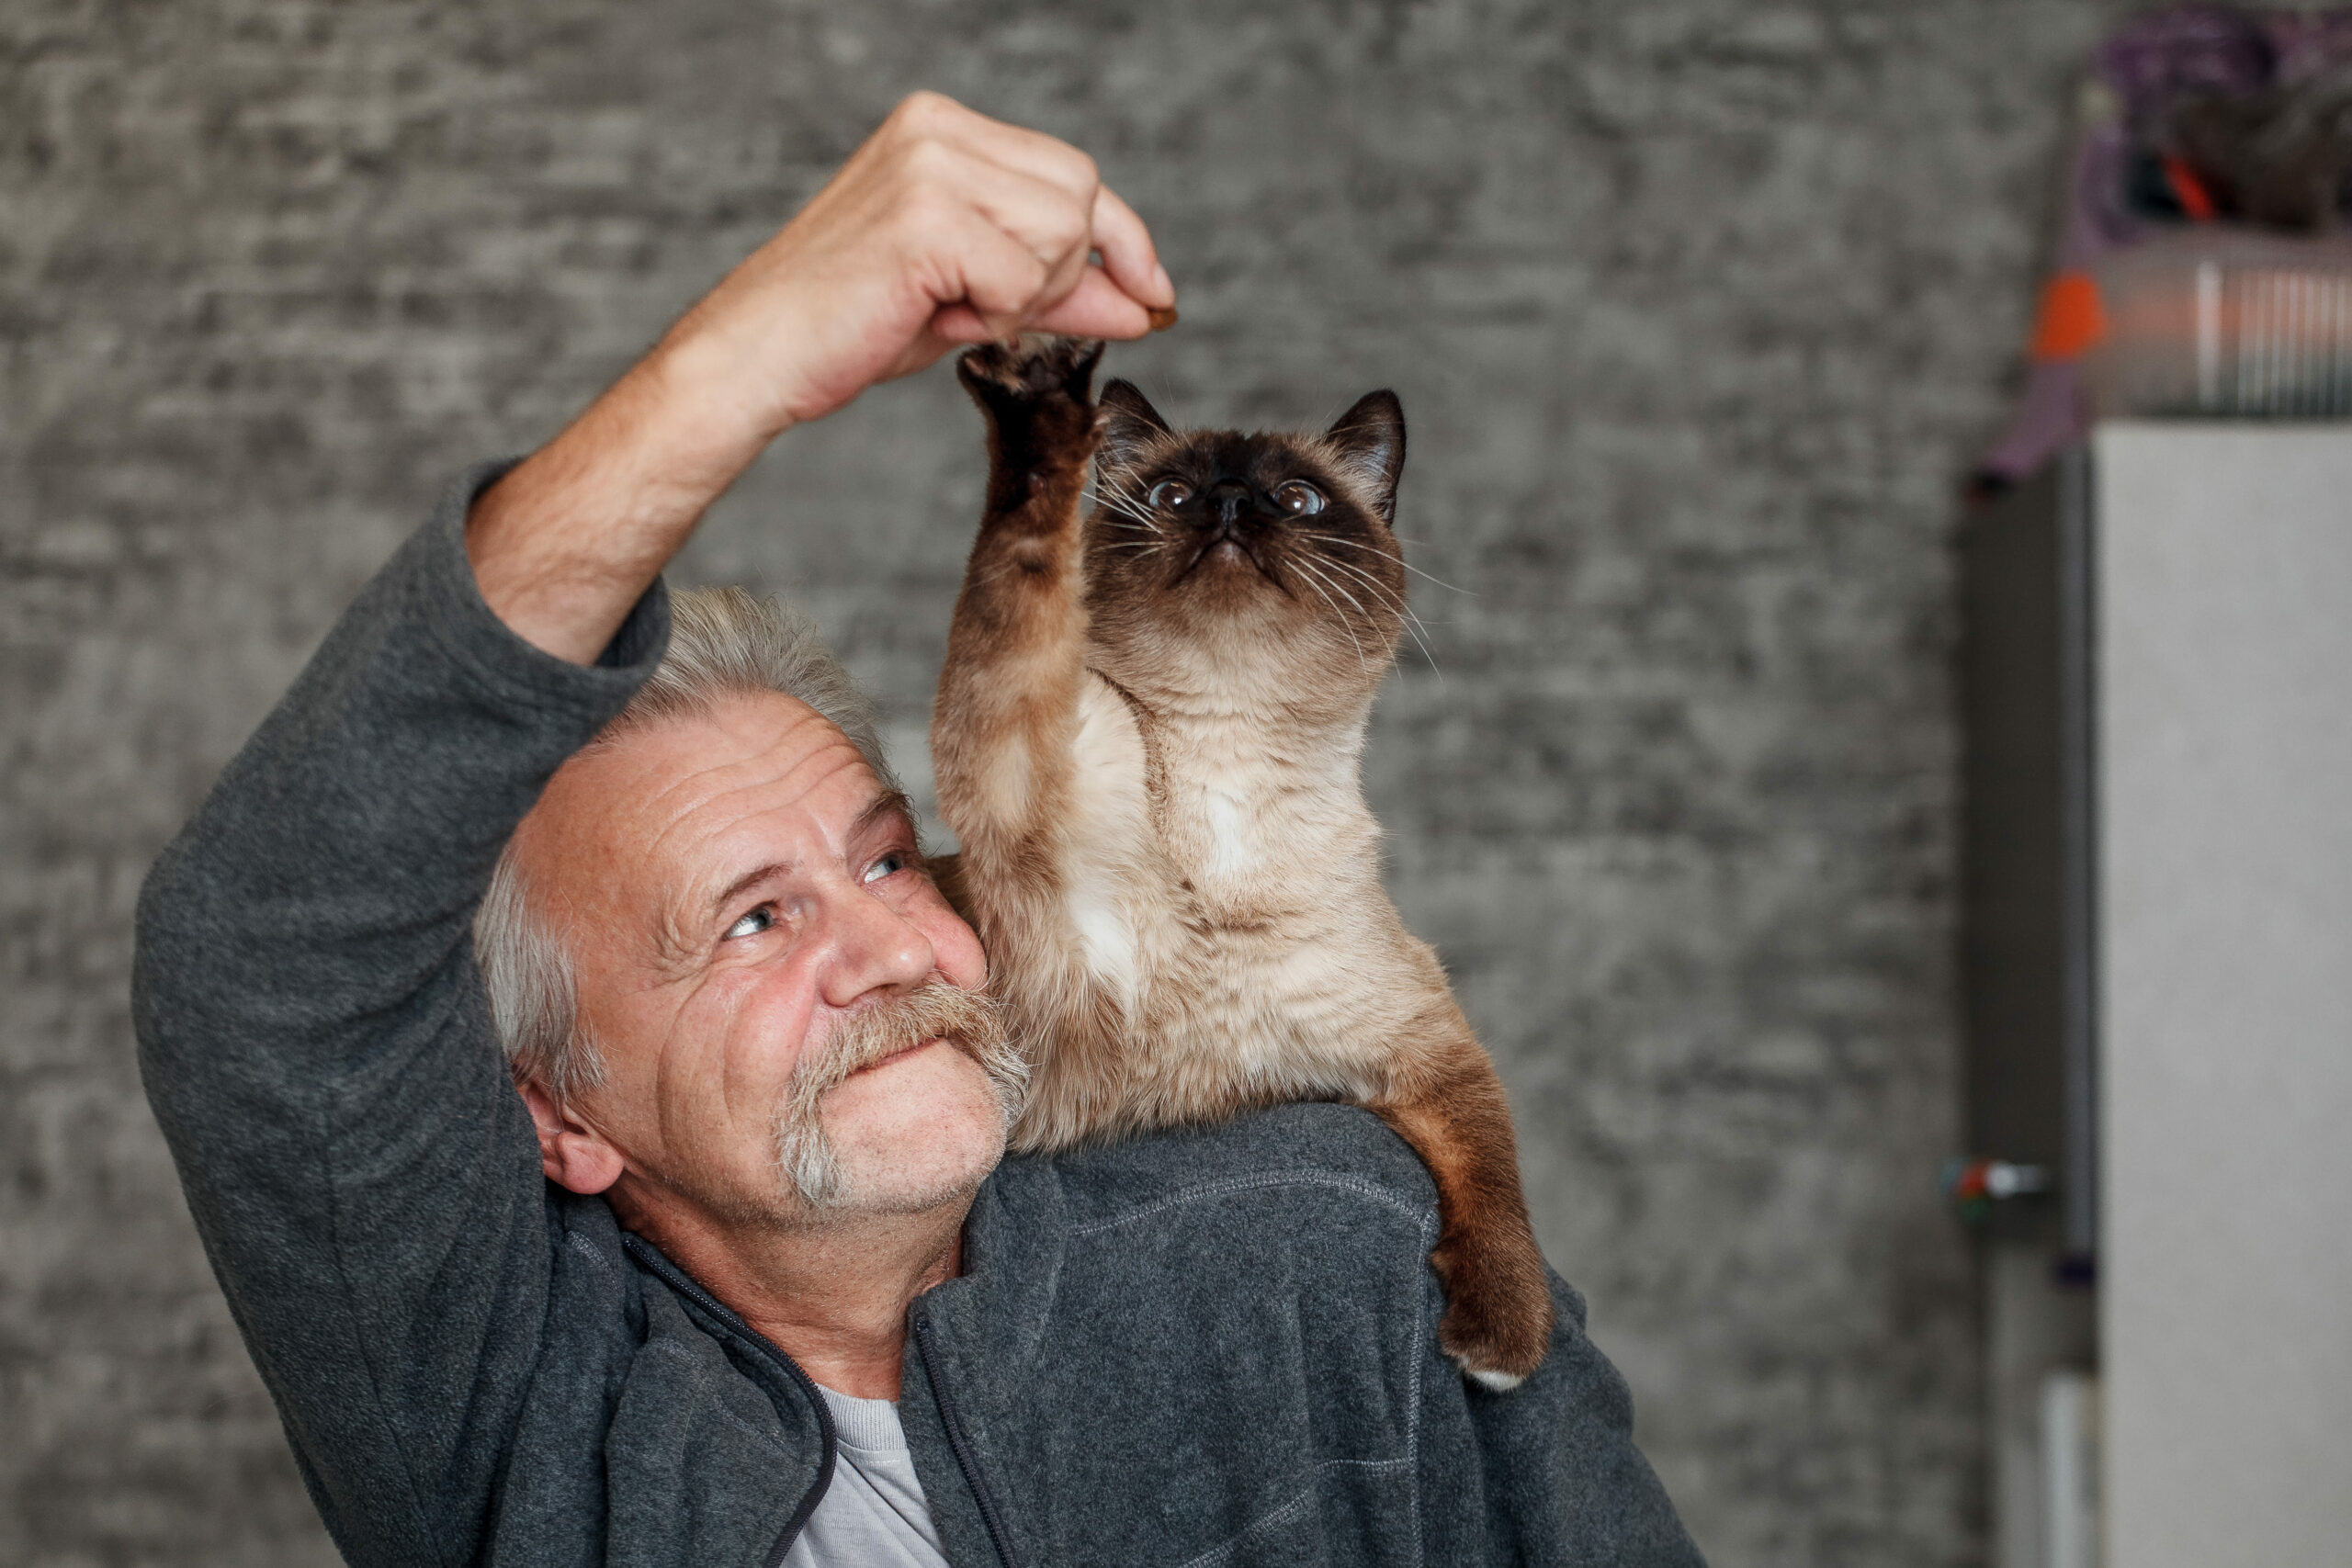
(1129, 424)
(574, 1155)
(1369, 440)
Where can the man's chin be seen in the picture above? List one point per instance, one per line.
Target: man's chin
(913, 1133)
(898, 1198)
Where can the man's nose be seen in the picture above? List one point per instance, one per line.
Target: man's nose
(874, 948)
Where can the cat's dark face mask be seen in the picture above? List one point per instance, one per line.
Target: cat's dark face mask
(1215, 556)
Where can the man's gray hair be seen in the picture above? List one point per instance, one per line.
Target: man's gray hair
(723, 641)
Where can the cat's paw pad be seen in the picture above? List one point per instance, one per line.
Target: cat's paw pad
(1032, 369)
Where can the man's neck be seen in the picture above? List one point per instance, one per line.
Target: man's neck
(833, 1296)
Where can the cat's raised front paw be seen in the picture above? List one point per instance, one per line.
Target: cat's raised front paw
(1035, 368)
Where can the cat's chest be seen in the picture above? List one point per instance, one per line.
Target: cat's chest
(1202, 874)
(1233, 831)
(1240, 826)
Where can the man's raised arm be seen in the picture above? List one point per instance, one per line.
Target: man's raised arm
(312, 1029)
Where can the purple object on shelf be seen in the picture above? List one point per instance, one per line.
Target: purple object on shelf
(2140, 77)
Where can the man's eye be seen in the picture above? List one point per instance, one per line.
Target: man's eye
(1170, 493)
(888, 865)
(760, 920)
(1299, 499)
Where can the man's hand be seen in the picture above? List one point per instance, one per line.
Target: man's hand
(944, 228)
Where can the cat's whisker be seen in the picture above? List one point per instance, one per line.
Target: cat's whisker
(1309, 569)
(1414, 624)
(1315, 570)
(1308, 577)
(1335, 582)
(1120, 505)
(1400, 561)
(1388, 595)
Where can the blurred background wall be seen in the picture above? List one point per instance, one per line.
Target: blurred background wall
(1696, 309)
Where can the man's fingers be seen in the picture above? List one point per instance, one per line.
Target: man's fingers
(962, 324)
(1128, 255)
(1032, 153)
(1096, 308)
(1059, 232)
(944, 228)
(993, 275)
(1009, 246)
(1044, 192)
(1047, 219)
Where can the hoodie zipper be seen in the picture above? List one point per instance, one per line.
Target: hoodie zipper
(679, 1280)
(954, 1422)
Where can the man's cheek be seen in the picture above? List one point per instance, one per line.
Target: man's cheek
(765, 1018)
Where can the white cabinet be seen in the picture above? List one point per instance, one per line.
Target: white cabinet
(2157, 675)
(2223, 714)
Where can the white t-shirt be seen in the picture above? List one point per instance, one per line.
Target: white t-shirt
(873, 1516)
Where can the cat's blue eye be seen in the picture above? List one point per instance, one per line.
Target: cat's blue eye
(1299, 499)
(888, 865)
(760, 920)
(1170, 493)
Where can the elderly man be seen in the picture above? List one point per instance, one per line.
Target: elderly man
(736, 1277)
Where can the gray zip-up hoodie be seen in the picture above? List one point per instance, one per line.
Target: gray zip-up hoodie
(1211, 1348)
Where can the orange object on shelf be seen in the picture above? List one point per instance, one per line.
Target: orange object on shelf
(2071, 319)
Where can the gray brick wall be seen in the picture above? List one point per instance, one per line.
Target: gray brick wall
(1696, 309)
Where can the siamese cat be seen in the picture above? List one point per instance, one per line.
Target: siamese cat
(1147, 738)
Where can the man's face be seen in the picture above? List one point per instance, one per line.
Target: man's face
(739, 893)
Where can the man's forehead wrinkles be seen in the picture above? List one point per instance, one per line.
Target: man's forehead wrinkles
(701, 789)
(801, 772)
(726, 801)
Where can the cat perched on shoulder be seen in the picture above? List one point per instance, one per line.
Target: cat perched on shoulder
(1147, 738)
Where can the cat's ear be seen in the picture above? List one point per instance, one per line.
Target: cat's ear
(1369, 442)
(1129, 424)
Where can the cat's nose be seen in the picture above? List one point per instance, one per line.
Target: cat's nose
(1226, 500)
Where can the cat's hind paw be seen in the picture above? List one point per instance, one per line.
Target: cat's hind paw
(1499, 1317)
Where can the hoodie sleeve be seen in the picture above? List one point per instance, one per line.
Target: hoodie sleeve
(315, 1042)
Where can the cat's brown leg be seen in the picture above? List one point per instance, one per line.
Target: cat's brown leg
(1008, 698)
(1002, 727)
(1453, 1111)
